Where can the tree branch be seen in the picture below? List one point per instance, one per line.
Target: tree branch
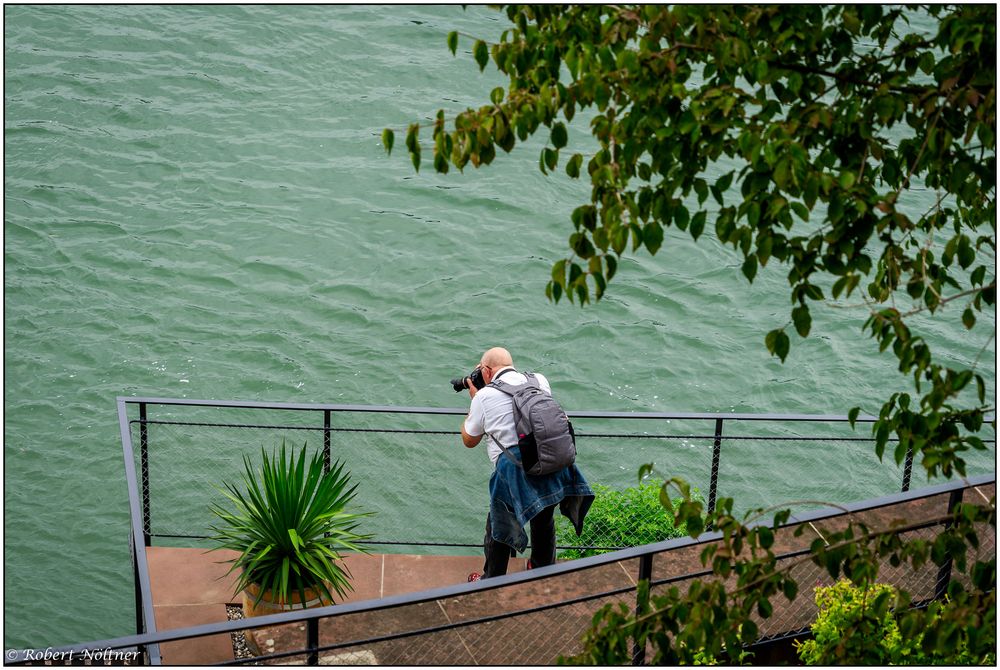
(943, 301)
(805, 69)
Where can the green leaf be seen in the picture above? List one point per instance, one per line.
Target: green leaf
(581, 245)
(554, 291)
(800, 210)
(770, 339)
(698, 224)
(612, 264)
(966, 255)
(551, 158)
(680, 215)
(839, 285)
(852, 416)
(694, 525)
(573, 166)
(777, 343)
(388, 137)
(453, 42)
(559, 273)
(962, 380)
(881, 438)
(723, 182)
(440, 163)
(665, 499)
(968, 318)
(927, 62)
(802, 320)
(412, 143)
(481, 53)
(652, 236)
(790, 588)
(559, 136)
(750, 267)
(813, 292)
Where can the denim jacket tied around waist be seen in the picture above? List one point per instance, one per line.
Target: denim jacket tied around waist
(516, 497)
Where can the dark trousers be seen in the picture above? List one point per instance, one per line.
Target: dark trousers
(543, 545)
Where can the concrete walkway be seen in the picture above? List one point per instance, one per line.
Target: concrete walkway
(190, 587)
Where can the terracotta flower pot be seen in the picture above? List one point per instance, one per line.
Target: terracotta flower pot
(267, 605)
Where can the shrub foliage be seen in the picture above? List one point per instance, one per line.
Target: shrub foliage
(627, 518)
(869, 614)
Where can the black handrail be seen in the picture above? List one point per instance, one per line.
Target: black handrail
(139, 539)
(459, 411)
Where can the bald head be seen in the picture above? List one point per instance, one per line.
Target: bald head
(496, 358)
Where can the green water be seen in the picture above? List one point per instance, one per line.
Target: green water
(197, 205)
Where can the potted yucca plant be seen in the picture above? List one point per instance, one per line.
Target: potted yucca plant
(290, 526)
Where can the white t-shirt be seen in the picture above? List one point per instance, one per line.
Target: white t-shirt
(492, 411)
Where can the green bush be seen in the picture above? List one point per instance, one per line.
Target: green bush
(628, 518)
(857, 626)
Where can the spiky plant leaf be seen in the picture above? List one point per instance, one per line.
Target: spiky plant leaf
(290, 525)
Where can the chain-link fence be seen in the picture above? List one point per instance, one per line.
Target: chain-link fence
(430, 495)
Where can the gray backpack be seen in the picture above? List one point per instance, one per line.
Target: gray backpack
(545, 435)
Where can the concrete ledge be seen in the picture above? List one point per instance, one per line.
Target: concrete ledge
(203, 650)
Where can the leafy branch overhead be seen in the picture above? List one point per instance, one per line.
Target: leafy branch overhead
(831, 118)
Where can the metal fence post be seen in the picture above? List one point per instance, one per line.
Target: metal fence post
(907, 470)
(326, 440)
(713, 488)
(944, 572)
(312, 641)
(645, 574)
(140, 625)
(144, 468)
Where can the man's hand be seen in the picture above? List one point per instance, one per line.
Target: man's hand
(472, 388)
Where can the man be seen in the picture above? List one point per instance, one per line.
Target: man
(516, 497)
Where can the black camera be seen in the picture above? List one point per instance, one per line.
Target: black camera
(476, 379)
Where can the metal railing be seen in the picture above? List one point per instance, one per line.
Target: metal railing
(510, 621)
(177, 451)
(186, 448)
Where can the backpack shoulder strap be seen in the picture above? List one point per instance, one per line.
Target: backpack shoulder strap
(503, 386)
(510, 389)
(506, 452)
(532, 380)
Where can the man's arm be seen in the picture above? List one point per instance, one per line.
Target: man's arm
(469, 440)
